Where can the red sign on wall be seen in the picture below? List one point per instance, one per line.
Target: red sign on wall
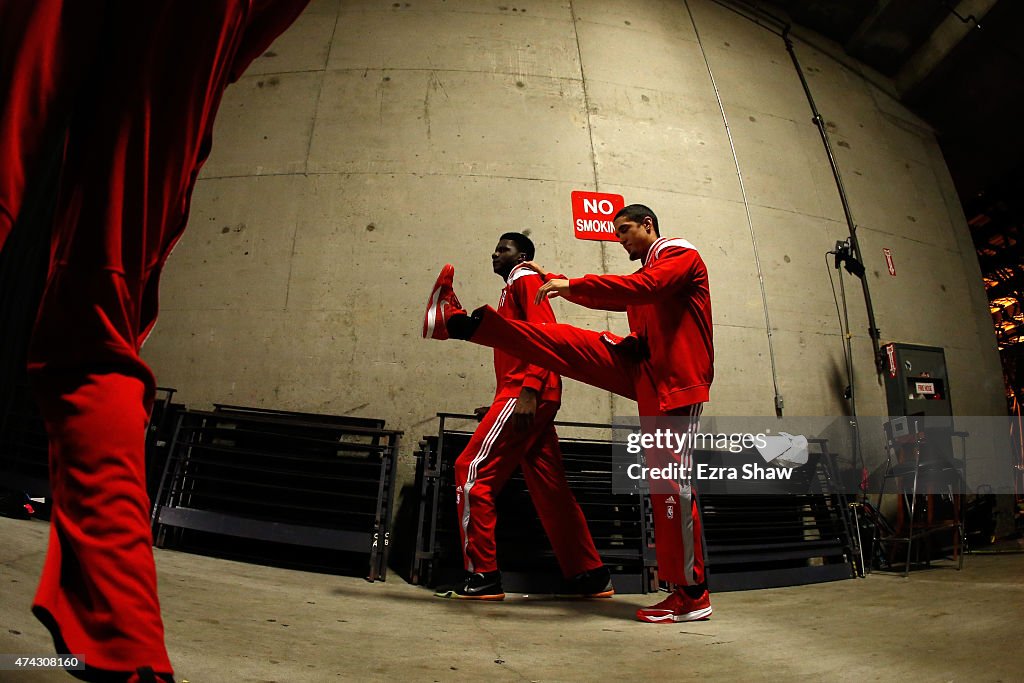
(592, 214)
(888, 261)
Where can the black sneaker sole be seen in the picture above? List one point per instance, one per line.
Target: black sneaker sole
(586, 596)
(455, 595)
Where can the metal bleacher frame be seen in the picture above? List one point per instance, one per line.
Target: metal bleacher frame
(283, 477)
(750, 541)
(528, 565)
(24, 445)
(764, 541)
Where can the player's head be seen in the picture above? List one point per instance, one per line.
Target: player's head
(513, 248)
(636, 228)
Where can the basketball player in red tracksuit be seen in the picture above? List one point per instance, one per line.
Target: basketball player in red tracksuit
(665, 365)
(125, 92)
(517, 431)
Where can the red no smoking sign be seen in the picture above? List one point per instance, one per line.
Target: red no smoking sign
(592, 214)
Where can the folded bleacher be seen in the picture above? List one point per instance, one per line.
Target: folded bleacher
(280, 486)
(620, 523)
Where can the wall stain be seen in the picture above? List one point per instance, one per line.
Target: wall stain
(380, 99)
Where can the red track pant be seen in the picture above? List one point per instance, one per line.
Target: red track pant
(489, 459)
(130, 90)
(581, 355)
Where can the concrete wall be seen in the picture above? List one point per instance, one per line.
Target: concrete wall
(375, 141)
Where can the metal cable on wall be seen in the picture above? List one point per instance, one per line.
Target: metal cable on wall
(782, 29)
(783, 32)
(750, 223)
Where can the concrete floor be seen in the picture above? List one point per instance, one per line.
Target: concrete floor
(229, 621)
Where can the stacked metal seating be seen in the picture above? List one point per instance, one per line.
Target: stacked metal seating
(162, 420)
(620, 523)
(291, 488)
(751, 540)
(24, 462)
(803, 535)
(24, 457)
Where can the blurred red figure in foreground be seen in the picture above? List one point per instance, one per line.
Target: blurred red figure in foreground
(124, 93)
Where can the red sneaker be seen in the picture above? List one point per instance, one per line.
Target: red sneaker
(441, 305)
(677, 607)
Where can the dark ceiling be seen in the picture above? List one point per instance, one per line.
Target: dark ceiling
(881, 34)
(973, 96)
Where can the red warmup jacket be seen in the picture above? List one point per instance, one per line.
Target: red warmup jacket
(511, 373)
(668, 305)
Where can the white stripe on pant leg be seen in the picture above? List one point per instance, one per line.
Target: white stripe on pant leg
(485, 449)
(693, 428)
(432, 312)
(686, 498)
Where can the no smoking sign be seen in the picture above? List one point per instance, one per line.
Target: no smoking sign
(592, 214)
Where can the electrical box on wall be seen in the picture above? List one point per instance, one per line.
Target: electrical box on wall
(916, 382)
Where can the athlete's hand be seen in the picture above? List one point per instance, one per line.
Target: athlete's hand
(525, 410)
(481, 411)
(536, 267)
(552, 289)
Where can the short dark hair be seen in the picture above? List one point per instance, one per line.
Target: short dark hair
(523, 243)
(637, 213)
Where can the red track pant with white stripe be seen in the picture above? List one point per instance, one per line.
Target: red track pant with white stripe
(581, 355)
(489, 459)
(128, 90)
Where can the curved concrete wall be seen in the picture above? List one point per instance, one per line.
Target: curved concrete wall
(377, 140)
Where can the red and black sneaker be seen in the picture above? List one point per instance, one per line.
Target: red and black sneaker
(441, 305)
(477, 586)
(596, 583)
(677, 607)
